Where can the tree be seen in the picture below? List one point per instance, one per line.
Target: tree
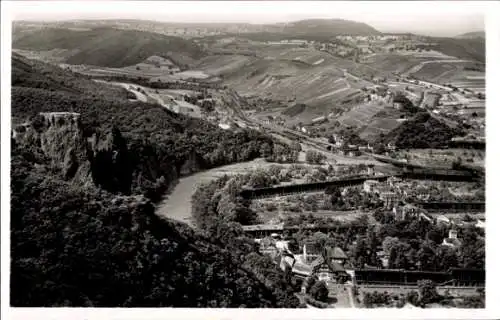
(389, 243)
(319, 291)
(412, 298)
(293, 246)
(314, 157)
(446, 257)
(310, 281)
(426, 257)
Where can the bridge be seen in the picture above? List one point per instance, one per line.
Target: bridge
(258, 193)
(265, 230)
(455, 277)
(455, 205)
(419, 174)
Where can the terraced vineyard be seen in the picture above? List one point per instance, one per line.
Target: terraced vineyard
(361, 115)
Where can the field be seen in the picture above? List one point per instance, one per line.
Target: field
(319, 87)
(49, 56)
(221, 64)
(393, 62)
(363, 117)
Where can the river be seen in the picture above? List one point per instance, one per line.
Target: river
(177, 204)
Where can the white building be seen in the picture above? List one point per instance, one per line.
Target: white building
(369, 185)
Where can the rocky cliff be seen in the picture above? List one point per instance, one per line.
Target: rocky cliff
(57, 137)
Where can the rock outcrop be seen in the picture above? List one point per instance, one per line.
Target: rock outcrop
(102, 160)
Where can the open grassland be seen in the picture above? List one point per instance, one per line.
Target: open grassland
(378, 126)
(222, 64)
(392, 62)
(361, 114)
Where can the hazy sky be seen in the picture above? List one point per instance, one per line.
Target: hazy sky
(440, 18)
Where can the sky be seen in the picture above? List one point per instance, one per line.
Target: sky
(436, 18)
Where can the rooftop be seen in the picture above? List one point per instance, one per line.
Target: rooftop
(335, 253)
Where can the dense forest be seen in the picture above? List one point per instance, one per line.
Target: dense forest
(420, 132)
(88, 235)
(160, 143)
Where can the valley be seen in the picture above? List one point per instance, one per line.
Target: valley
(235, 165)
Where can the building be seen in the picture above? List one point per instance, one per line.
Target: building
(368, 185)
(389, 197)
(329, 265)
(393, 181)
(480, 224)
(443, 220)
(452, 240)
(336, 255)
(406, 212)
(319, 120)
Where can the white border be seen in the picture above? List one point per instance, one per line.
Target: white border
(491, 9)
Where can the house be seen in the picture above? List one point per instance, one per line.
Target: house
(406, 212)
(398, 105)
(384, 258)
(338, 140)
(369, 185)
(443, 220)
(391, 146)
(336, 255)
(389, 197)
(310, 252)
(480, 224)
(393, 181)
(350, 150)
(330, 265)
(319, 120)
(224, 126)
(452, 240)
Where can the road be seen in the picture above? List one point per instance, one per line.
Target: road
(351, 296)
(129, 87)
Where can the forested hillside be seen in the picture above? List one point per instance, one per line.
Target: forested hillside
(84, 231)
(422, 131)
(107, 47)
(466, 48)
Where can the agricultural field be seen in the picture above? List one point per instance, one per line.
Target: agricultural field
(379, 126)
(392, 62)
(222, 64)
(371, 126)
(319, 87)
(48, 56)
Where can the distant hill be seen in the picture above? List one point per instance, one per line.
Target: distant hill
(473, 48)
(329, 27)
(469, 35)
(107, 47)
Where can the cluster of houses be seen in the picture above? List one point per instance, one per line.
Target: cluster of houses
(392, 195)
(329, 264)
